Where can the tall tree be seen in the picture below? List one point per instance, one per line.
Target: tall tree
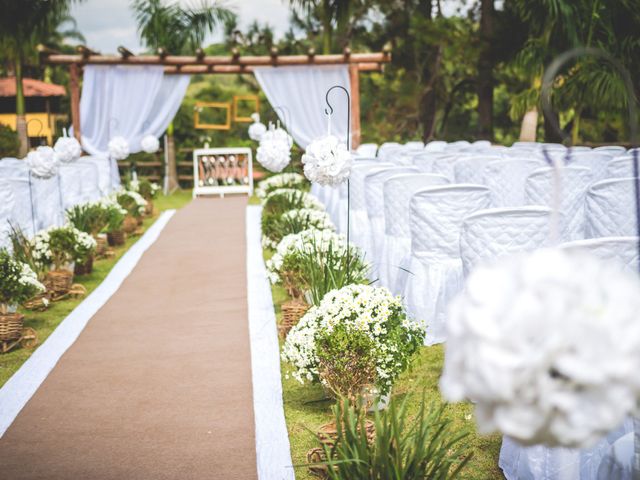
(179, 30)
(485, 71)
(24, 24)
(335, 17)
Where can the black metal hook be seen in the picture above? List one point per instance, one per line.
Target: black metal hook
(330, 111)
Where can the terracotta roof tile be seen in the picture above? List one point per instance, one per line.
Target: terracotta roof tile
(32, 88)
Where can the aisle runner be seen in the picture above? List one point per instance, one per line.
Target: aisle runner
(17, 391)
(158, 384)
(272, 441)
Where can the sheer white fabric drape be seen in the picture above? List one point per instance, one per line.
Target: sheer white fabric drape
(127, 101)
(300, 91)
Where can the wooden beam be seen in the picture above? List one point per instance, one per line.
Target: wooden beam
(354, 81)
(74, 87)
(124, 52)
(163, 58)
(236, 69)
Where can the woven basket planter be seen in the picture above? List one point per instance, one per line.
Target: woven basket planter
(116, 238)
(292, 312)
(129, 224)
(101, 245)
(291, 282)
(148, 210)
(139, 220)
(11, 326)
(84, 268)
(38, 303)
(59, 282)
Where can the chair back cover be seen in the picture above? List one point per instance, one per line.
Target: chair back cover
(71, 182)
(490, 234)
(386, 148)
(506, 180)
(574, 183)
(614, 150)
(435, 146)
(596, 161)
(470, 168)
(104, 172)
(23, 214)
(620, 167)
(611, 209)
(397, 193)
(48, 202)
(621, 250)
(367, 149)
(11, 169)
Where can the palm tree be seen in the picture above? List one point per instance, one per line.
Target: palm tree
(23, 25)
(330, 12)
(178, 30)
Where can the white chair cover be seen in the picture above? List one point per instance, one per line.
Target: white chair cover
(374, 197)
(596, 161)
(457, 146)
(396, 246)
(104, 172)
(435, 146)
(470, 168)
(490, 234)
(367, 150)
(339, 209)
(12, 169)
(620, 167)
(48, 202)
(360, 231)
(71, 181)
(435, 269)
(386, 148)
(414, 145)
(6, 208)
(90, 181)
(24, 210)
(621, 250)
(614, 150)
(443, 165)
(574, 183)
(506, 180)
(611, 209)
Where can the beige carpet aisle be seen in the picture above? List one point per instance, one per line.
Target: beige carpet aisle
(158, 386)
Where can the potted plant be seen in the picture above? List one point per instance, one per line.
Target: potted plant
(83, 253)
(149, 191)
(357, 339)
(135, 206)
(22, 249)
(18, 283)
(90, 218)
(54, 249)
(115, 217)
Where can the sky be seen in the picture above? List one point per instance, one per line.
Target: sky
(107, 24)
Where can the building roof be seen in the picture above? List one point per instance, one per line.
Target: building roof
(31, 87)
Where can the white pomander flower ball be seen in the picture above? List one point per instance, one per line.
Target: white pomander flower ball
(256, 129)
(7, 199)
(547, 346)
(274, 152)
(118, 148)
(150, 144)
(43, 162)
(68, 149)
(327, 161)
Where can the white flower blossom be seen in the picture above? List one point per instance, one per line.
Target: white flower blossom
(274, 151)
(256, 129)
(67, 149)
(150, 144)
(327, 161)
(282, 180)
(118, 148)
(547, 346)
(43, 162)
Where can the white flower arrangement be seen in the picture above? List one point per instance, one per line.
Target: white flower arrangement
(300, 198)
(43, 162)
(132, 198)
(274, 151)
(67, 149)
(327, 161)
(150, 144)
(118, 148)
(373, 311)
(547, 346)
(18, 282)
(282, 180)
(256, 129)
(59, 245)
(305, 218)
(309, 241)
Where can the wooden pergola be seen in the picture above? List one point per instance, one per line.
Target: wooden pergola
(207, 64)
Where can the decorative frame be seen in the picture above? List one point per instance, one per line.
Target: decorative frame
(221, 189)
(212, 126)
(236, 101)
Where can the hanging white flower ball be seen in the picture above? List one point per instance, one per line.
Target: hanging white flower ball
(7, 199)
(327, 161)
(118, 148)
(150, 144)
(256, 129)
(274, 152)
(67, 149)
(43, 162)
(547, 346)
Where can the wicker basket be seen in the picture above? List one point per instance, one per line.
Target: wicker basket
(129, 224)
(292, 312)
(116, 238)
(58, 282)
(84, 268)
(148, 210)
(10, 326)
(101, 245)
(38, 303)
(139, 220)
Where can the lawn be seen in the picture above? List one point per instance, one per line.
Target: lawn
(46, 322)
(306, 409)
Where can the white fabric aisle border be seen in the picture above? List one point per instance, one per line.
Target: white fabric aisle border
(272, 441)
(15, 394)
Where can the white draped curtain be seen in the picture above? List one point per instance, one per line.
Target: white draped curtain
(300, 94)
(127, 101)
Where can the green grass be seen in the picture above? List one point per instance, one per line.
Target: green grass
(306, 409)
(44, 323)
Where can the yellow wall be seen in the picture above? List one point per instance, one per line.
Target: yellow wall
(38, 124)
